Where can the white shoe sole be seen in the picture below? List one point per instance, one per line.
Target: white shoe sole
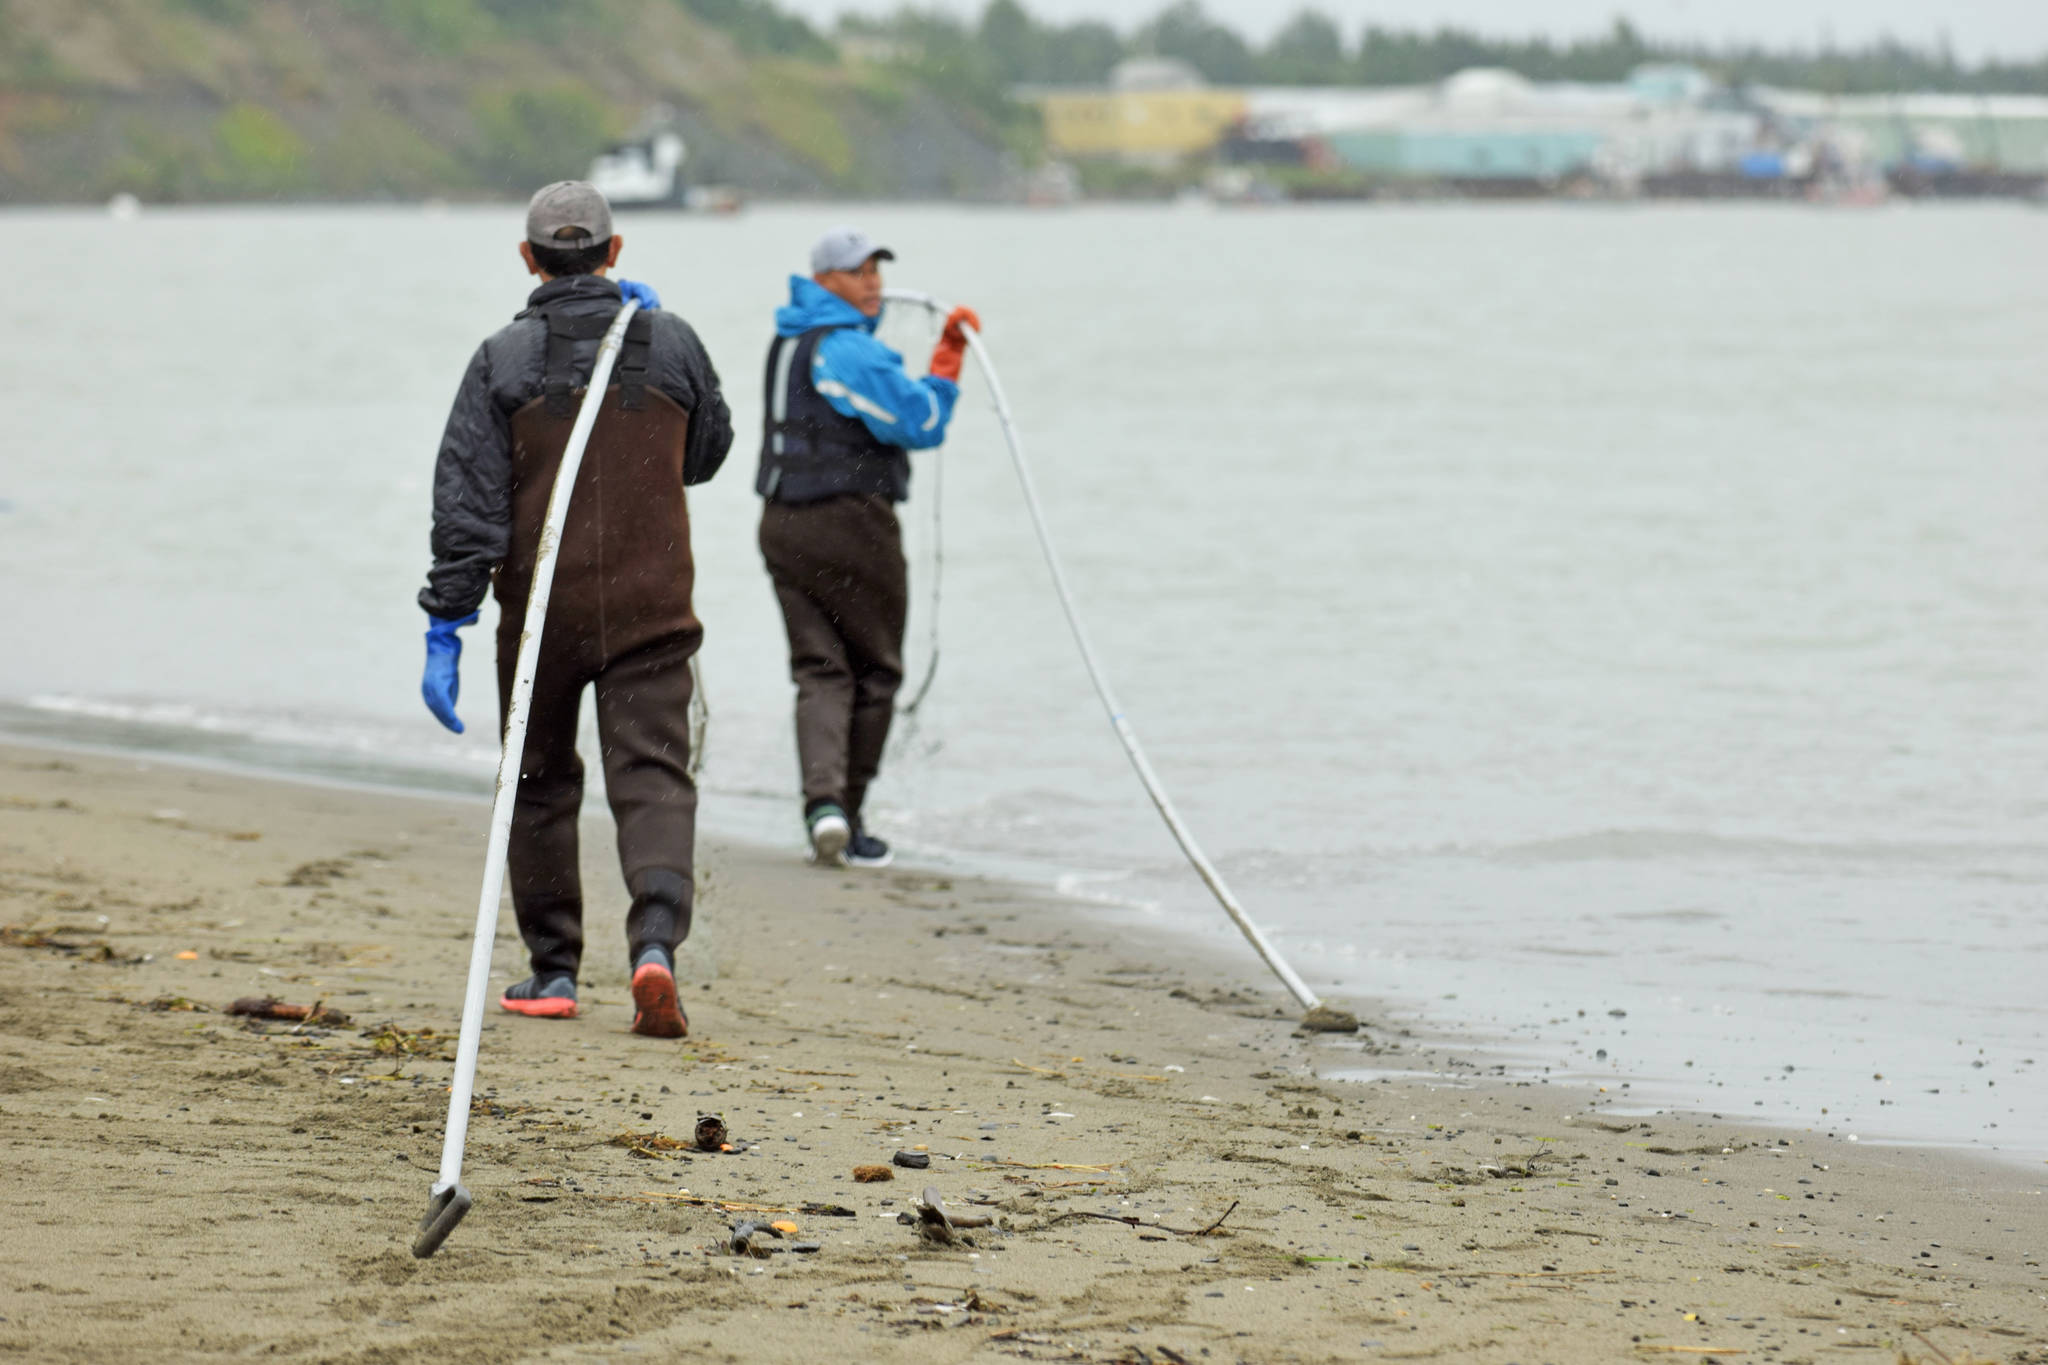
(829, 837)
(851, 861)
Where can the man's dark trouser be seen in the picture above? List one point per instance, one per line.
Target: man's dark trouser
(839, 575)
(643, 729)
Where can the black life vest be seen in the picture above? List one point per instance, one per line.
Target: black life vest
(809, 451)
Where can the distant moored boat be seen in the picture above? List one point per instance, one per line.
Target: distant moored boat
(646, 172)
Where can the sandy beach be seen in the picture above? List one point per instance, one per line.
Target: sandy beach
(1166, 1176)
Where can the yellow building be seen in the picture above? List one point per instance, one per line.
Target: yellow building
(1138, 125)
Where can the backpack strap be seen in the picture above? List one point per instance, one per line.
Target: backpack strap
(634, 358)
(559, 380)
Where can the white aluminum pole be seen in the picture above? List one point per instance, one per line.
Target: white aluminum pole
(448, 1201)
(1128, 737)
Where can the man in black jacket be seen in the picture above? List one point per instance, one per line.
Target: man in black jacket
(620, 618)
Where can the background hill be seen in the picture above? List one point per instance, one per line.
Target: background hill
(356, 99)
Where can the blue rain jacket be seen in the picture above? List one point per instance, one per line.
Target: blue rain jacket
(861, 377)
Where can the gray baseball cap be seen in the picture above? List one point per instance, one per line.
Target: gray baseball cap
(569, 214)
(845, 248)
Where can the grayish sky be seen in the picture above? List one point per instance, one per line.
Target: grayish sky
(2009, 28)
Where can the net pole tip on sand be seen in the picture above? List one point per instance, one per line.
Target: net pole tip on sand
(444, 1211)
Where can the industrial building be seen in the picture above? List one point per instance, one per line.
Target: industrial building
(1666, 124)
(2002, 132)
(1152, 110)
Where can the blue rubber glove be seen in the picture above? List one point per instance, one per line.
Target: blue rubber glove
(644, 293)
(442, 680)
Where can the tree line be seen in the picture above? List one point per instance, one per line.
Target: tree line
(1007, 45)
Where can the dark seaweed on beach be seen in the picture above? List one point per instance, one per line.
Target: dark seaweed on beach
(58, 941)
(321, 872)
(655, 1145)
(392, 1041)
(163, 1004)
(1130, 1221)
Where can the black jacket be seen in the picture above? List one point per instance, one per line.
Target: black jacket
(473, 475)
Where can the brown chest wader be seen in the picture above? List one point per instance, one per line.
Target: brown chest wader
(619, 621)
(840, 579)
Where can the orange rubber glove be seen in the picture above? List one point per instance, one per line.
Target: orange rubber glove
(952, 347)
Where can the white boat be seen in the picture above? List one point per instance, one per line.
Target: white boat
(646, 172)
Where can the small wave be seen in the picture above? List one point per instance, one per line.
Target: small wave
(279, 728)
(353, 750)
(1088, 886)
(1817, 993)
(1684, 915)
(1671, 845)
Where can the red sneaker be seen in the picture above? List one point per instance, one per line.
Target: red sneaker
(657, 1012)
(554, 998)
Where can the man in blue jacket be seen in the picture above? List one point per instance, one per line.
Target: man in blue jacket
(842, 417)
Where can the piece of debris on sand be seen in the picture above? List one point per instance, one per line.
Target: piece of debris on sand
(937, 1223)
(658, 1146)
(270, 1007)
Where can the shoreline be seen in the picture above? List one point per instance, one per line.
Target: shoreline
(1472, 1046)
(259, 1184)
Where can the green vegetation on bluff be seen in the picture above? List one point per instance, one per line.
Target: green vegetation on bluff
(355, 99)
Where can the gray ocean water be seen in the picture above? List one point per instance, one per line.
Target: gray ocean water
(1614, 637)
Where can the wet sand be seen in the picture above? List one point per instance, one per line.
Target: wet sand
(186, 1184)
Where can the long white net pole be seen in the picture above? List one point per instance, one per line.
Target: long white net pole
(448, 1185)
(1125, 735)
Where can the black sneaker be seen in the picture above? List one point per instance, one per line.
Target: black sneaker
(865, 850)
